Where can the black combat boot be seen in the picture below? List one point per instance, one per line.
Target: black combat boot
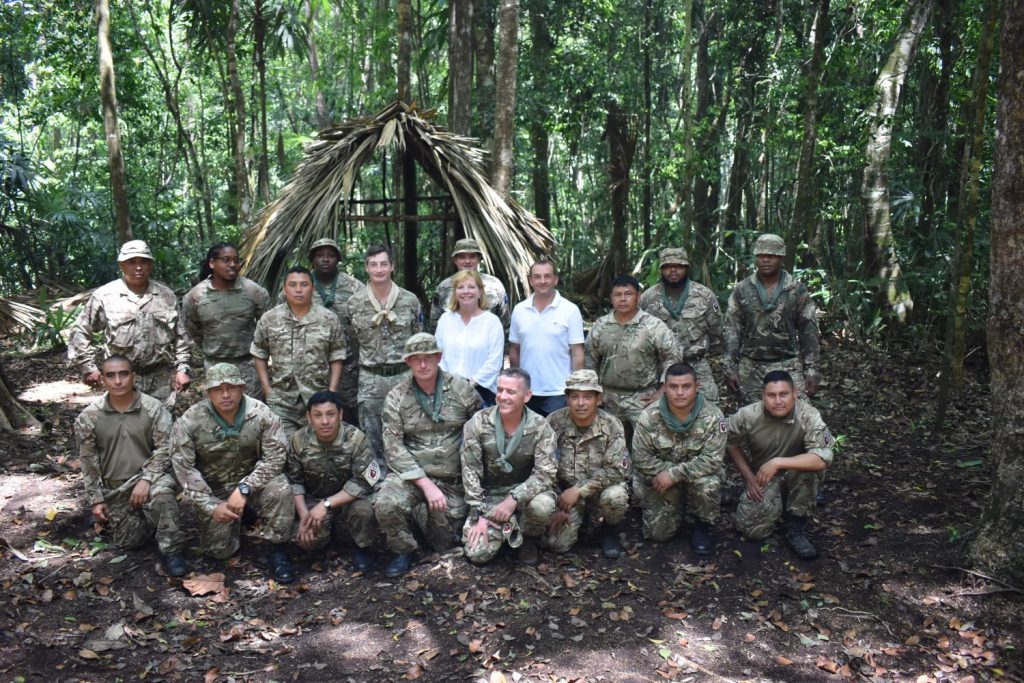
(398, 566)
(796, 536)
(279, 563)
(610, 545)
(363, 559)
(175, 564)
(701, 540)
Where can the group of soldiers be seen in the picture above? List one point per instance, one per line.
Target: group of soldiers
(328, 416)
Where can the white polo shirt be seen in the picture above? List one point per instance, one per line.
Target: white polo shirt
(544, 338)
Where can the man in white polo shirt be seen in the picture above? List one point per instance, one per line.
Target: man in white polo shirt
(546, 339)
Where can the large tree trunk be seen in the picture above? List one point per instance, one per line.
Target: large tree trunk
(540, 54)
(460, 67)
(707, 181)
(1000, 543)
(405, 166)
(13, 415)
(236, 107)
(323, 119)
(503, 160)
(483, 47)
(880, 261)
(108, 100)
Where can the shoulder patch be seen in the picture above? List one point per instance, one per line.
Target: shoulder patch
(723, 425)
(372, 473)
(625, 462)
(828, 438)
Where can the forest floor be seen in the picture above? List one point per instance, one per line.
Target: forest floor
(891, 596)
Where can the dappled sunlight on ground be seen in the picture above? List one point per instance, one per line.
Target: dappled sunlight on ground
(59, 391)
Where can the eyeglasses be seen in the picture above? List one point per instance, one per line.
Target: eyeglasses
(229, 261)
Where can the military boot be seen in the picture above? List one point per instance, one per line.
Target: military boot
(399, 565)
(175, 564)
(280, 563)
(363, 559)
(528, 552)
(701, 540)
(796, 537)
(610, 545)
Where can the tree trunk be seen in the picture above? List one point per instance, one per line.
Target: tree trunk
(483, 46)
(108, 99)
(259, 30)
(460, 67)
(503, 160)
(404, 165)
(1000, 544)
(647, 38)
(880, 261)
(323, 119)
(13, 415)
(685, 194)
(236, 107)
(540, 53)
(707, 181)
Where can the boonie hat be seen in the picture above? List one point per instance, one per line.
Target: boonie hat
(223, 373)
(770, 244)
(420, 344)
(324, 242)
(673, 256)
(134, 249)
(466, 246)
(583, 380)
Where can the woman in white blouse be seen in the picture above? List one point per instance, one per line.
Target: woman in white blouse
(470, 337)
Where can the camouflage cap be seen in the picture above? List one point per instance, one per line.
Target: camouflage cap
(770, 244)
(466, 246)
(583, 380)
(420, 344)
(134, 249)
(673, 256)
(324, 242)
(223, 373)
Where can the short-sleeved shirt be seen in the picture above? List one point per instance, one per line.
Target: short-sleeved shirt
(763, 436)
(544, 338)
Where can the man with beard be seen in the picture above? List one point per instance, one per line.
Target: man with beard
(467, 256)
(691, 311)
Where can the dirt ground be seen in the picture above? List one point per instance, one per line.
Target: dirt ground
(890, 598)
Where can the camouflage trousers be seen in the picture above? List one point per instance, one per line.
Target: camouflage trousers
(155, 380)
(400, 503)
(247, 368)
(349, 390)
(373, 389)
(627, 406)
(531, 518)
(290, 407)
(609, 507)
(159, 516)
(706, 379)
(273, 503)
(795, 492)
(663, 513)
(752, 374)
(355, 520)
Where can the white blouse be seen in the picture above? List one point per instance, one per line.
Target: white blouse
(475, 351)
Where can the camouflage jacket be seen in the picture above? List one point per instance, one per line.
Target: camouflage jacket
(414, 445)
(103, 434)
(222, 321)
(146, 329)
(383, 344)
(687, 457)
(633, 356)
(591, 460)
(787, 331)
(699, 325)
(764, 437)
(496, 297)
(321, 470)
(533, 462)
(209, 465)
(302, 349)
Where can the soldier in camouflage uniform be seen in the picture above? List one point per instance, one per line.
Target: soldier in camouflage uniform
(593, 468)
(630, 349)
(305, 342)
(221, 312)
(691, 311)
(467, 256)
(122, 444)
(138, 318)
(787, 447)
(770, 325)
(228, 453)
(382, 316)
(423, 419)
(508, 470)
(334, 479)
(679, 451)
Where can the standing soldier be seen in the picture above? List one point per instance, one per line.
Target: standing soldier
(228, 453)
(138, 318)
(382, 316)
(122, 443)
(305, 342)
(630, 349)
(221, 313)
(508, 465)
(770, 325)
(334, 478)
(467, 256)
(423, 419)
(787, 447)
(679, 451)
(691, 311)
(593, 468)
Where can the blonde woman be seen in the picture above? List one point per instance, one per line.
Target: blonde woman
(470, 337)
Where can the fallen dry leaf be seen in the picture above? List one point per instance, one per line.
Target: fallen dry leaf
(783, 661)
(672, 613)
(476, 645)
(204, 584)
(826, 664)
(568, 580)
(88, 654)
(211, 675)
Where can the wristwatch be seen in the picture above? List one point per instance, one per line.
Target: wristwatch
(327, 503)
(245, 489)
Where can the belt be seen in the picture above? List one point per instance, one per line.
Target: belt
(386, 369)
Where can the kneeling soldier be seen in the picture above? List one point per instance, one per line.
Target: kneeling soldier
(334, 477)
(228, 454)
(593, 468)
(508, 463)
(787, 447)
(122, 443)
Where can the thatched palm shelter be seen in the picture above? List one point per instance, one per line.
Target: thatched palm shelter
(318, 198)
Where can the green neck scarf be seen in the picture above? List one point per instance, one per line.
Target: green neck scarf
(672, 422)
(225, 430)
(675, 309)
(769, 304)
(326, 293)
(431, 408)
(506, 449)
